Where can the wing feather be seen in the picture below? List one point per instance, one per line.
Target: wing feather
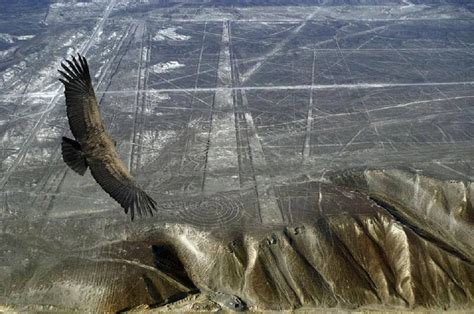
(122, 187)
(81, 103)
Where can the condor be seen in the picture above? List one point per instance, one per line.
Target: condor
(93, 147)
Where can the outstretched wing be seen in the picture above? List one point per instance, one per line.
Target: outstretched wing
(113, 177)
(82, 109)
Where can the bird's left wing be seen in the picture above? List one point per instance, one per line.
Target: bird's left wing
(113, 177)
(81, 104)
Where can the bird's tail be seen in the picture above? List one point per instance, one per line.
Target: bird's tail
(73, 156)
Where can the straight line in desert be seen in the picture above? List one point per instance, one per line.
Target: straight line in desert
(270, 212)
(300, 20)
(139, 99)
(309, 117)
(252, 88)
(221, 172)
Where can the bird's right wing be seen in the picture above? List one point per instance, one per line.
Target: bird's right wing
(81, 104)
(112, 176)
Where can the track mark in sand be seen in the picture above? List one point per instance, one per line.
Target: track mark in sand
(245, 76)
(439, 163)
(351, 141)
(427, 101)
(309, 118)
(221, 171)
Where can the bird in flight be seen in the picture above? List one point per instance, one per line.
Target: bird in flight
(93, 147)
